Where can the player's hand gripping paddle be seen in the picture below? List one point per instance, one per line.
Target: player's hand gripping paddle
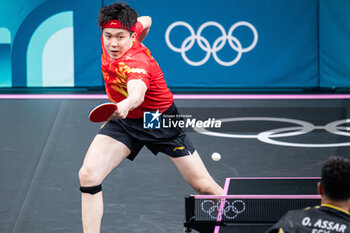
(102, 112)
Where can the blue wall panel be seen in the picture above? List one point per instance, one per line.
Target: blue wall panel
(226, 43)
(285, 54)
(334, 43)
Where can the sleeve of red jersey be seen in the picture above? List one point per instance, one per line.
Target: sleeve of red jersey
(139, 72)
(138, 29)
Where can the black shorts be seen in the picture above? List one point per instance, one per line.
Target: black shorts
(171, 141)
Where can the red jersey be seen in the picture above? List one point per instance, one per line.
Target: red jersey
(136, 63)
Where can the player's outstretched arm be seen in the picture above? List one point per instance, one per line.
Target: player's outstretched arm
(146, 22)
(136, 95)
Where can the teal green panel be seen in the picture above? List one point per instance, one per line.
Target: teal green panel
(5, 58)
(58, 59)
(5, 65)
(5, 36)
(38, 41)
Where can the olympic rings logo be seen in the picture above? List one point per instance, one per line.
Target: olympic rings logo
(229, 210)
(218, 44)
(271, 136)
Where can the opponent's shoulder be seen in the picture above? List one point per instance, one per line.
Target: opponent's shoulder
(297, 214)
(317, 213)
(290, 221)
(305, 211)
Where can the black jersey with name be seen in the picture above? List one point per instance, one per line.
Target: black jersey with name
(318, 219)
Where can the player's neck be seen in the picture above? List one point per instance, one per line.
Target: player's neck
(343, 205)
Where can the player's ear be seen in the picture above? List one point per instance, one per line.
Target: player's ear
(133, 36)
(320, 188)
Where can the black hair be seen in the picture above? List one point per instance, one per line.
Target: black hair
(118, 11)
(336, 178)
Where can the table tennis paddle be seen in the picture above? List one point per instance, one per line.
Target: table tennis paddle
(102, 112)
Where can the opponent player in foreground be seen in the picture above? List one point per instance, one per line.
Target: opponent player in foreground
(333, 215)
(135, 82)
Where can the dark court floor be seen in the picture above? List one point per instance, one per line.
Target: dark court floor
(43, 143)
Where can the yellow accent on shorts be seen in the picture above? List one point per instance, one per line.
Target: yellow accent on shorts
(179, 148)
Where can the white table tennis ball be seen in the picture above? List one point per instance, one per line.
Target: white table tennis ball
(216, 156)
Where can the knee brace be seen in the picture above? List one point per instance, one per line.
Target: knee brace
(92, 190)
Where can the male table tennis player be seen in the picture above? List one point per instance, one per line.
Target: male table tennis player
(135, 82)
(333, 215)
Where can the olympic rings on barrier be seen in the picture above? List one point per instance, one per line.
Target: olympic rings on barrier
(218, 44)
(229, 210)
(270, 135)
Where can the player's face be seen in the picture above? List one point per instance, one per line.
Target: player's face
(117, 41)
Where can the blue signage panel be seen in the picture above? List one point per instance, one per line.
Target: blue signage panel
(250, 43)
(226, 43)
(334, 43)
